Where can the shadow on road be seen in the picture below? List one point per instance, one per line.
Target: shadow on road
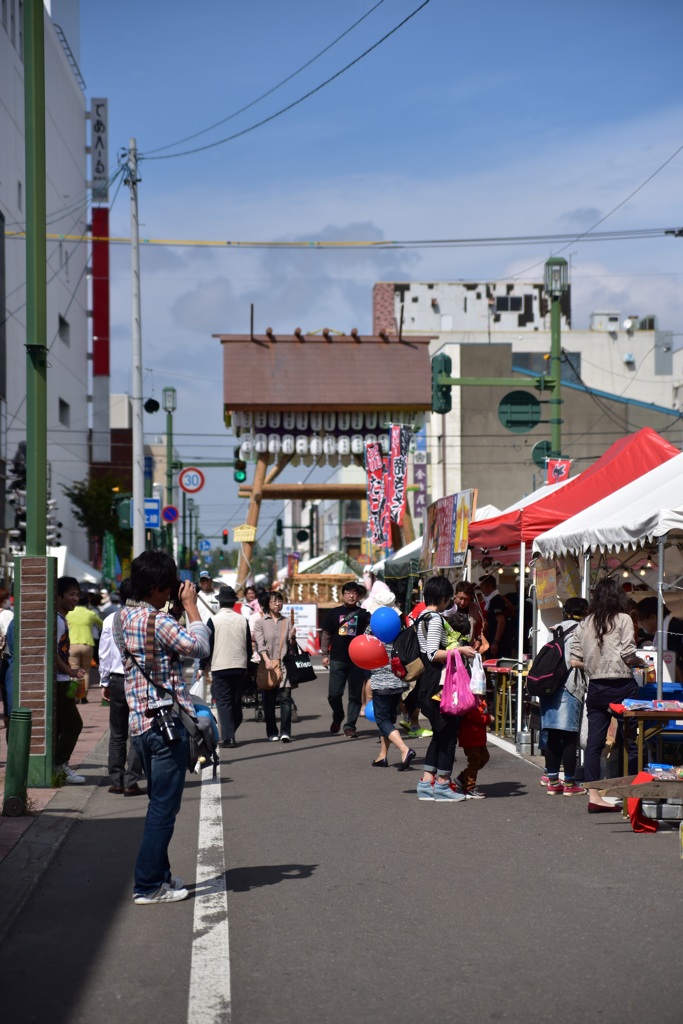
(260, 875)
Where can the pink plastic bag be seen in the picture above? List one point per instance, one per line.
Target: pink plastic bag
(457, 697)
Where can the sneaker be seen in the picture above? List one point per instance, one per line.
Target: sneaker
(335, 728)
(571, 789)
(420, 734)
(350, 734)
(543, 780)
(447, 791)
(273, 739)
(70, 776)
(285, 738)
(475, 794)
(554, 789)
(164, 894)
(425, 790)
(405, 724)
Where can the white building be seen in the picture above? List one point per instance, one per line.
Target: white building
(618, 375)
(67, 289)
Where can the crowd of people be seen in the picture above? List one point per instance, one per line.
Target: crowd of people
(140, 640)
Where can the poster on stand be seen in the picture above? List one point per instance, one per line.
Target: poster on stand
(446, 531)
(546, 584)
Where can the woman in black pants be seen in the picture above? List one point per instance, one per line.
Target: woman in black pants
(604, 645)
(436, 783)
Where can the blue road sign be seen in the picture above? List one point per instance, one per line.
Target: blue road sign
(169, 513)
(152, 513)
(204, 545)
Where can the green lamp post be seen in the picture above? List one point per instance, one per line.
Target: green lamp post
(169, 402)
(556, 284)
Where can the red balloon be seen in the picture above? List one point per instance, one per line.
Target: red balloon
(368, 652)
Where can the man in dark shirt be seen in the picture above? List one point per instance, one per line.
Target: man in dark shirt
(496, 611)
(340, 626)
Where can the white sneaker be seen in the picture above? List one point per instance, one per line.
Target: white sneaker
(273, 739)
(164, 894)
(70, 776)
(285, 738)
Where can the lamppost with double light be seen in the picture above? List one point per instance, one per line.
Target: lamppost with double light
(169, 402)
(556, 284)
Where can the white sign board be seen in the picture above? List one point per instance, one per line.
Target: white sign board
(306, 624)
(99, 149)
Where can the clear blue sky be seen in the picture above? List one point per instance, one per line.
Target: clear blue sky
(471, 120)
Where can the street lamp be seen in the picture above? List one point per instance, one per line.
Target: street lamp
(168, 399)
(556, 284)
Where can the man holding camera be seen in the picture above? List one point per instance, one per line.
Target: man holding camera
(158, 735)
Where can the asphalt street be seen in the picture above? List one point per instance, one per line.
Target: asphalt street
(351, 901)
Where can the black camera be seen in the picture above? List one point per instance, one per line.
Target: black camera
(161, 710)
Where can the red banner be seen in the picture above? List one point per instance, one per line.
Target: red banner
(558, 470)
(398, 471)
(377, 501)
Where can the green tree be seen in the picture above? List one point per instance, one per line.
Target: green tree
(92, 502)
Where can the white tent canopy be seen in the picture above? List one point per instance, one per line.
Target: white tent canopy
(631, 517)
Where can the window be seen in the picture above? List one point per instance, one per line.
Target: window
(509, 304)
(64, 413)
(64, 330)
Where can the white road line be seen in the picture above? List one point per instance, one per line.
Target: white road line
(210, 996)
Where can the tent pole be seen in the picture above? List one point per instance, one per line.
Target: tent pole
(520, 637)
(586, 578)
(660, 615)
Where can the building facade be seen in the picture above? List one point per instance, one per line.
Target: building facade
(68, 410)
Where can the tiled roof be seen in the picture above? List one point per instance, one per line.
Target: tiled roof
(319, 372)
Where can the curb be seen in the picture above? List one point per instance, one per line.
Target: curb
(24, 866)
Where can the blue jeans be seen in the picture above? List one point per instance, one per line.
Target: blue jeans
(165, 768)
(386, 711)
(342, 672)
(286, 704)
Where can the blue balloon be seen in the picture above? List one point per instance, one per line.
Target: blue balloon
(385, 624)
(370, 711)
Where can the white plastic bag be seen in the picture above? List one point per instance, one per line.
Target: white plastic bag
(478, 680)
(198, 687)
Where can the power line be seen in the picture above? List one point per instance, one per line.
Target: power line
(270, 91)
(295, 103)
(589, 231)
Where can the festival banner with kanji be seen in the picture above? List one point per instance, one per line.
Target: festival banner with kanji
(398, 471)
(377, 505)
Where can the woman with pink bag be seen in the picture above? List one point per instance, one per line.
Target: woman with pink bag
(436, 782)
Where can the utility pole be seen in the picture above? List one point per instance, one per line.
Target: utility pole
(556, 284)
(169, 400)
(138, 450)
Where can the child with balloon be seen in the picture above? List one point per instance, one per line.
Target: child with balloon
(373, 652)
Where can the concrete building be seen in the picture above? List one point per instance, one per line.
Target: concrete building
(67, 291)
(618, 375)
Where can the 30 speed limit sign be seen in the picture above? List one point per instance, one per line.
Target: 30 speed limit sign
(191, 479)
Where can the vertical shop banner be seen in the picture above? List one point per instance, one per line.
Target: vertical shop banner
(377, 513)
(557, 470)
(464, 511)
(420, 484)
(398, 471)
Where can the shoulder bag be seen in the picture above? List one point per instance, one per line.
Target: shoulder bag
(271, 678)
(298, 665)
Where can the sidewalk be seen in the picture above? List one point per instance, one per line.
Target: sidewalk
(95, 717)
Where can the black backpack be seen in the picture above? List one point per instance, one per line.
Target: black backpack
(406, 648)
(548, 671)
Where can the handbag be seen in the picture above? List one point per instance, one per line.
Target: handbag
(478, 679)
(271, 678)
(456, 697)
(298, 665)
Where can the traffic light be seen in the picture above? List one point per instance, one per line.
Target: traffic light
(226, 536)
(441, 393)
(279, 529)
(240, 468)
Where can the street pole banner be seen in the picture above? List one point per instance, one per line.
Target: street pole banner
(374, 468)
(558, 470)
(398, 471)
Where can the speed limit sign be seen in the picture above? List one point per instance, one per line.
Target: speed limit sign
(191, 479)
